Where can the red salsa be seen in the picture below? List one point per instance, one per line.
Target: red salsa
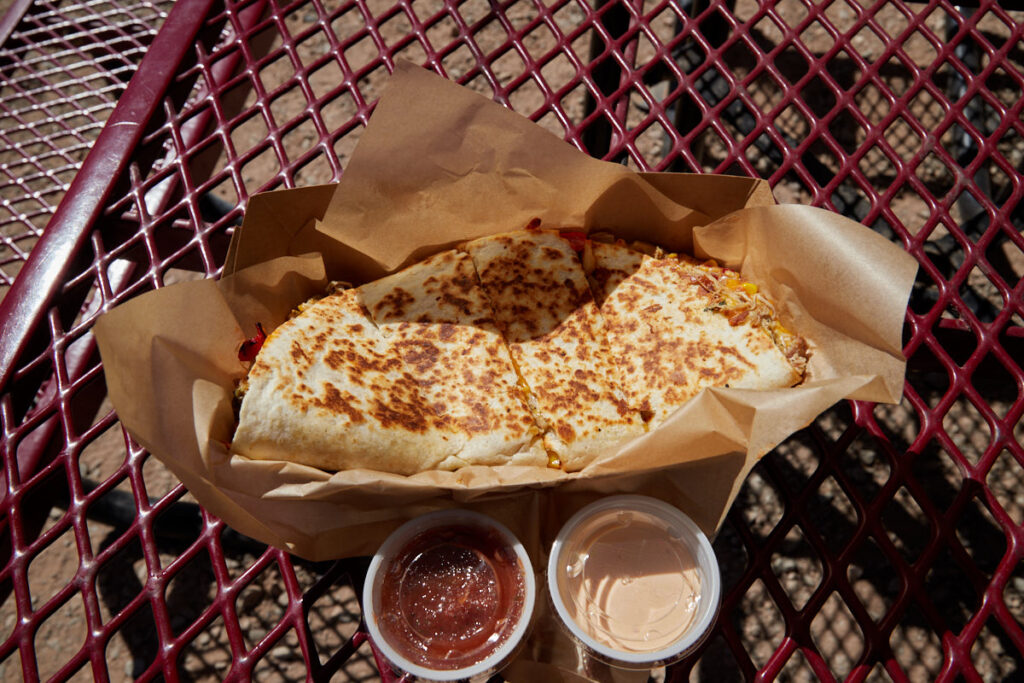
(451, 596)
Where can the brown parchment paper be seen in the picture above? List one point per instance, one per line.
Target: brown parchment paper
(438, 165)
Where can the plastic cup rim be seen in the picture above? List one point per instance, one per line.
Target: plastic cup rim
(706, 561)
(392, 544)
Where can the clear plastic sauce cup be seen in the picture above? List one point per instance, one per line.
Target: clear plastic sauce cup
(449, 596)
(635, 581)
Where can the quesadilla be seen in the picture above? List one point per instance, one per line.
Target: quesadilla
(510, 350)
(555, 334)
(677, 326)
(422, 382)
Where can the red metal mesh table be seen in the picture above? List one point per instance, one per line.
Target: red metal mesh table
(63, 67)
(880, 543)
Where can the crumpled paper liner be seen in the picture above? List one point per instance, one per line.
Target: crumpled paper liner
(438, 165)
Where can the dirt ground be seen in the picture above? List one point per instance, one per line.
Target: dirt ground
(761, 504)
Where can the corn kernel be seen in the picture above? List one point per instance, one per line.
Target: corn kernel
(750, 288)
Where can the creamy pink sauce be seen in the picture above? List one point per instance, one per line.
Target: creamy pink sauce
(629, 582)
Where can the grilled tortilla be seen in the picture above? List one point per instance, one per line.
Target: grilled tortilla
(677, 326)
(425, 383)
(440, 324)
(509, 350)
(554, 331)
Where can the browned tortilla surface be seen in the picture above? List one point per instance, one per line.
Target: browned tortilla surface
(426, 383)
(556, 336)
(436, 317)
(504, 352)
(666, 327)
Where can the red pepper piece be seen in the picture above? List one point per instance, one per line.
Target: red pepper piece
(739, 318)
(251, 346)
(577, 239)
(703, 282)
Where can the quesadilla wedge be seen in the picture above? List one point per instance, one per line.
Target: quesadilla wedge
(439, 323)
(677, 326)
(543, 306)
(326, 391)
(426, 385)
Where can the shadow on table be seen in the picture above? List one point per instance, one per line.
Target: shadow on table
(887, 551)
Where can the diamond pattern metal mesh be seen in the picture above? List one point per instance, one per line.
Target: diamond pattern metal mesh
(882, 542)
(62, 67)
